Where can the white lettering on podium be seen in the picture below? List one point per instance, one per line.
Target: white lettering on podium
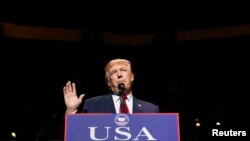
(146, 133)
(120, 132)
(124, 131)
(92, 134)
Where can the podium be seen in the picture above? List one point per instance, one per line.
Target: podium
(122, 127)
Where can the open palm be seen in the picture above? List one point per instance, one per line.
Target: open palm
(70, 97)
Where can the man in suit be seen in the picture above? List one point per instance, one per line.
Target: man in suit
(117, 71)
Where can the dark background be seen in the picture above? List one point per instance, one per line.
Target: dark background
(206, 79)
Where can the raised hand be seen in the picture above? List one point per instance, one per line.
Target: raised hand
(70, 97)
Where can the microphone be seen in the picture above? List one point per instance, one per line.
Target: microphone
(121, 88)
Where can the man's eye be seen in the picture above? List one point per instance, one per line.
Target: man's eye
(112, 72)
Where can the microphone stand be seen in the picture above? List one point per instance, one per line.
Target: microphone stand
(120, 93)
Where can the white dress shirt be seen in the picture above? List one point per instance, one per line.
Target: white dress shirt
(129, 102)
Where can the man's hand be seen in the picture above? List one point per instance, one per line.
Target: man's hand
(70, 97)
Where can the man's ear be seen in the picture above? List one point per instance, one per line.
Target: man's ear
(107, 81)
(108, 84)
(132, 77)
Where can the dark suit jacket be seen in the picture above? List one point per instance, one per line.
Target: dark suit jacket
(105, 104)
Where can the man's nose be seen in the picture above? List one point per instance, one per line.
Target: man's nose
(119, 74)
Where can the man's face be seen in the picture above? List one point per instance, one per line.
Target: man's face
(120, 72)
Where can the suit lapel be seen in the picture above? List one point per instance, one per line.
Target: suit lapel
(109, 104)
(137, 106)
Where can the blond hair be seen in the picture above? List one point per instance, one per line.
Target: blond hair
(111, 62)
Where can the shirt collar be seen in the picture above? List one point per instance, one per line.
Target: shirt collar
(116, 97)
